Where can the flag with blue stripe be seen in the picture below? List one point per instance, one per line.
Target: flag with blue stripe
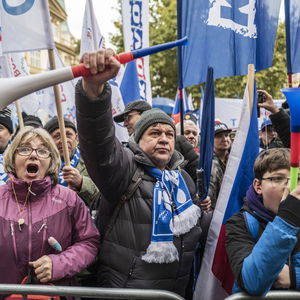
(227, 35)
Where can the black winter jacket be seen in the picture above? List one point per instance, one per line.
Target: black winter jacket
(112, 166)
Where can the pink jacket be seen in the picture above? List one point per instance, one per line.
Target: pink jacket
(50, 210)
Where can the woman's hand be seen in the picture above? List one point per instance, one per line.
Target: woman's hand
(103, 67)
(42, 268)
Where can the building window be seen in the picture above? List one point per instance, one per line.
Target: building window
(35, 59)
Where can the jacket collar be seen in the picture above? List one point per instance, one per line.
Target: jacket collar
(36, 188)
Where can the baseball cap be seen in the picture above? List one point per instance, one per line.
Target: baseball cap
(139, 105)
(265, 124)
(221, 127)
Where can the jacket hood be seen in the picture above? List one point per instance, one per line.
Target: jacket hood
(141, 157)
(35, 188)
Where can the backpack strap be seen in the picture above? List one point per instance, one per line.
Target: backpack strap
(137, 178)
(252, 225)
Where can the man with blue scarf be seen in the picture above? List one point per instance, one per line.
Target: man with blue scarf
(147, 218)
(74, 176)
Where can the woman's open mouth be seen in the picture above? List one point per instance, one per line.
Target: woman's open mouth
(32, 169)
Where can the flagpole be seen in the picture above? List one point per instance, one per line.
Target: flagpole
(179, 66)
(60, 118)
(19, 114)
(251, 72)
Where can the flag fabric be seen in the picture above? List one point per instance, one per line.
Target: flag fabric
(25, 26)
(187, 106)
(91, 36)
(135, 15)
(215, 279)
(92, 40)
(207, 133)
(226, 35)
(292, 19)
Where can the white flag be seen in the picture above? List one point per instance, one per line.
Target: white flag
(135, 15)
(25, 25)
(92, 40)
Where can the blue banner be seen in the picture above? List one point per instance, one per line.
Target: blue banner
(226, 35)
(207, 132)
(292, 28)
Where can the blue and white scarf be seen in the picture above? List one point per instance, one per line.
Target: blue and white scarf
(73, 163)
(3, 175)
(173, 213)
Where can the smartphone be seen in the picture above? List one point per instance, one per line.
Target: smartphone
(260, 97)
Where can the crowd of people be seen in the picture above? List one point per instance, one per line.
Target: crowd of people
(128, 215)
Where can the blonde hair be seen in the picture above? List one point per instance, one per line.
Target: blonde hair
(27, 134)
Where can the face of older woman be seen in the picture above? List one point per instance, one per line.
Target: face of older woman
(34, 165)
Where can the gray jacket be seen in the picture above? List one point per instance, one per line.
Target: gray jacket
(112, 167)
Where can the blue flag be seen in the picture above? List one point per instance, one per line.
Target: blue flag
(207, 133)
(226, 35)
(129, 87)
(292, 19)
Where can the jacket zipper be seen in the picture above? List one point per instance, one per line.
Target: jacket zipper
(43, 227)
(12, 230)
(29, 231)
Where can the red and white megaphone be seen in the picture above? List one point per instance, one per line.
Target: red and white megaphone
(15, 88)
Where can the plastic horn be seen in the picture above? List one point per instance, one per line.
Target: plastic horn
(293, 98)
(126, 57)
(15, 88)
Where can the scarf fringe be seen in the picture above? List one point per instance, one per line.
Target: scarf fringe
(186, 220)
(161, 252)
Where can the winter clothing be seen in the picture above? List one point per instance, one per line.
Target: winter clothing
(139, 105)
(52, 124)
(256, 268)
(281, 123)
(5, 119)
(127, 221)
(50, 211)
(148, 118)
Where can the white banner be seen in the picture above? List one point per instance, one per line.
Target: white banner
(228, 111)
(92, 40)
(25, 25)
(135, 15)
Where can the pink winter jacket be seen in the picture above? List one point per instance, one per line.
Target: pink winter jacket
(53, 211)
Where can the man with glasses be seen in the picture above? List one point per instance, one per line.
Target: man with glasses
(262, 240)
(132, 114)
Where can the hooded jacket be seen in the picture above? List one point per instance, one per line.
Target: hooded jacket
(112, 167)
(50, 211)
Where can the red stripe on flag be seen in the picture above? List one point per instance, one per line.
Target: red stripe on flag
(176, 118)
(221, 267)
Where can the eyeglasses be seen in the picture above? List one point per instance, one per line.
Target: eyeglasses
(278, 180)
(26, 151)
(130, 115)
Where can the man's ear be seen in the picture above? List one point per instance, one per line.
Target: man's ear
(257, 186)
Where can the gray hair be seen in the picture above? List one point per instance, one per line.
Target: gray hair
(185, 122)
(28, 133)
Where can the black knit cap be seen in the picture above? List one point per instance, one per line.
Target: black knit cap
(139, 105)
(33, 121)
(52, 124)
(148, 118)
(5, 119)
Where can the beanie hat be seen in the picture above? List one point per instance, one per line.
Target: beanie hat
(5, 119)
(30, 120)
(52, 124)
(148, 118)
